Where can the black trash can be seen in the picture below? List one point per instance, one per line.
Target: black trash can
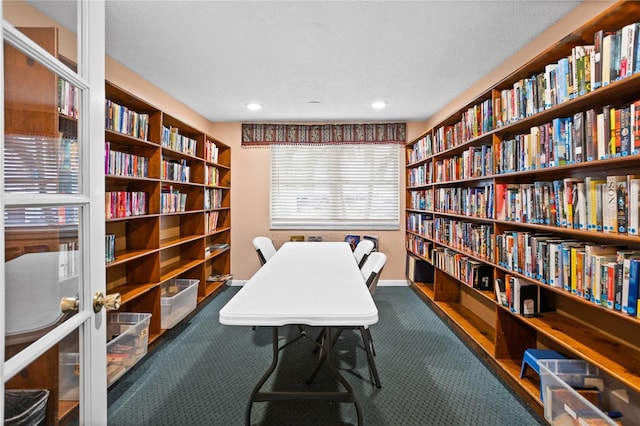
(25, 407)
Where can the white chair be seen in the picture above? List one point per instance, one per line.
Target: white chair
(363, 249)
(265, 249)
(371, 271)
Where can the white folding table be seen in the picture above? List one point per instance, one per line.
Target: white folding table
(310, 283)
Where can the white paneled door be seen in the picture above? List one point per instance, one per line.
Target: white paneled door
(52, 202)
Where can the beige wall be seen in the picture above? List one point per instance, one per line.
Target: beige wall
(250, 167)
(250, 210)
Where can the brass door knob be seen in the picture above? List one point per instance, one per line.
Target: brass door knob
(69, 304)
(110, 301)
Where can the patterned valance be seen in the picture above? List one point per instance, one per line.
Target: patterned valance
(267, 134)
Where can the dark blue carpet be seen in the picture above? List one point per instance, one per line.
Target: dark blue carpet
(203, 372)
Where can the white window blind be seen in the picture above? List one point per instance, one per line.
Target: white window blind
(350, 186)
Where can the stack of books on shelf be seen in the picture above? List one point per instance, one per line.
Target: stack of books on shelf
(177, 170)
(219, 277)
(119, 163)
(212, 248)
(110, 247)
(612, 132)
(210, 151)
(211, 175)
(211, 222)
(67, 99)
(171, 138)
(123, 120)
(605, 275)
(120, 204)
(172, 200)
(212, 198)
(599, 204)
(614, 55)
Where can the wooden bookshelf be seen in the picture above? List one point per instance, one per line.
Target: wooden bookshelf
(151, 244)
(569, 323)
(167, 242)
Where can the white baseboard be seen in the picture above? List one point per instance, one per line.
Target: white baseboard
(381, 283)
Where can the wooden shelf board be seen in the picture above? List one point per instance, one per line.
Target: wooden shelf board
(476, 328)
(128, 292)
(217, 253)
(122, 138)
(172, 242)
(67, 409)
(211, 287)
(219, 231)
(530, 383)
(426, 289)
(127, 255)
(615, 358)
(178, 268)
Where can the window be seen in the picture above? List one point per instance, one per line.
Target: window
(350, 186)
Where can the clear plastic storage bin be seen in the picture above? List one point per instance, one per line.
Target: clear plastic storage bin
(129, 334)
(178, 298)
(578, 393)
(69, 381)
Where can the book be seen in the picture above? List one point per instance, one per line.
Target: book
(632, 297)
(621, 204)
(501, 292)
(353, 240)
(593, 201)
(593, 255)
(624, 130)
(515, 301)
(621, 292)
(634, 206)
(609, 205)
(600, 274)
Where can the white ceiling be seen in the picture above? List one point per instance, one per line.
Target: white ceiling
(216, 56)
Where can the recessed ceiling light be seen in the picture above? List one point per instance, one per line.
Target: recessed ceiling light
(378, 104)
(254, 106)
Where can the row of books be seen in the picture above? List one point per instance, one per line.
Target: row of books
(210, 151)
(212, 248)
(211, 175)
(119, 163)
(210, 222)
(474, 273)
(421, 200)
(125, 203)
(416, 222)
(419, 246)
(614, 55)
(171, 138)
(468, 201)
(601, 204)
(68, 259)
(124, 120)
(611, 132)
(110, 248)
(469, 237)
(176, 170)
(212, 198)
(474, 162)
(68, 101)
(172, 200)
(520, 296)
(476, 121)
(421, 175)
(599, 273)
(421, 149)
